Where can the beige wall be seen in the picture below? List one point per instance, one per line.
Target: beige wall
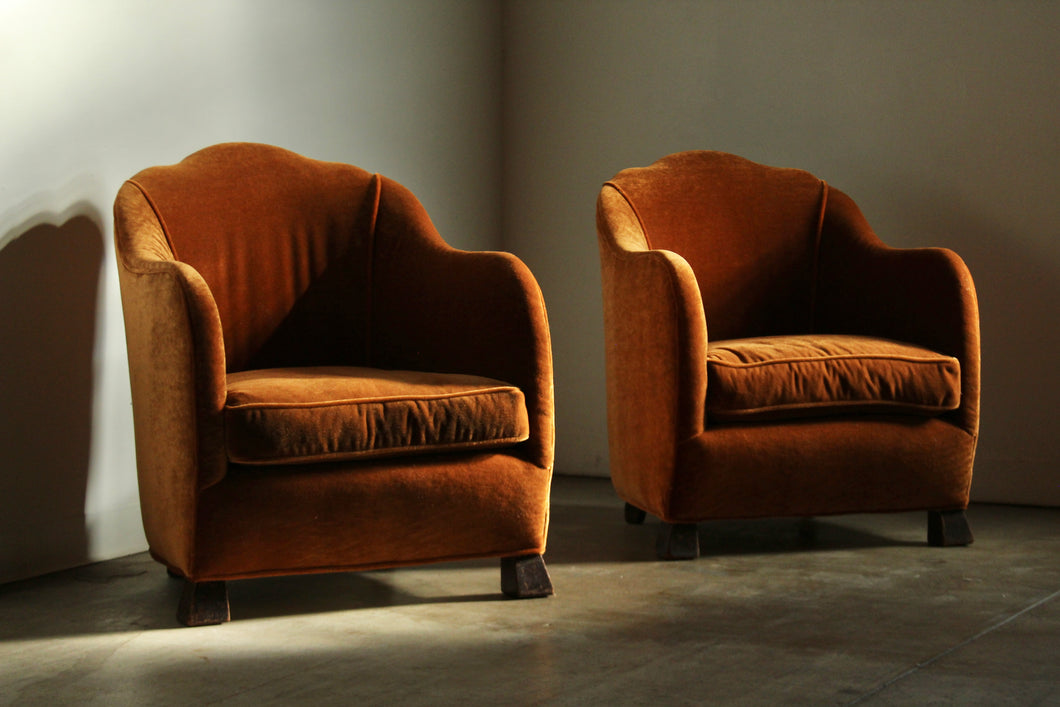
(94, 91)
(940, 118)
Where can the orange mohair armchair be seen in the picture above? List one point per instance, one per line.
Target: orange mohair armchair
(320, 383)
(768, 355)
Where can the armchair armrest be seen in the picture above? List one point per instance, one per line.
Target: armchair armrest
(437, 308)
(923, 296)
(655, 341)
(176, 360)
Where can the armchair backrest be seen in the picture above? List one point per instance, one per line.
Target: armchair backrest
(749, 232)
(284, 243)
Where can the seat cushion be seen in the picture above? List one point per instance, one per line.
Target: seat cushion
(792, 376)
(297, 415)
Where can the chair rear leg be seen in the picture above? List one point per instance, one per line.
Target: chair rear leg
(634, 515)
(525, 577)
(677, 541)
(948, 529)
(203, 604)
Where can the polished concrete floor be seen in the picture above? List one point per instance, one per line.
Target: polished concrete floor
(861, 611)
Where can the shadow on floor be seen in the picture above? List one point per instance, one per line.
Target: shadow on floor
(586, 534)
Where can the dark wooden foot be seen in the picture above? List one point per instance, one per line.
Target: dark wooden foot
(174, 574)
(634, 515)
(525, 577)
(948, 528)
(677, 541)
(203, 604)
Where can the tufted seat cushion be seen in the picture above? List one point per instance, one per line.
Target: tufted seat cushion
(791, 376)
(321, 414)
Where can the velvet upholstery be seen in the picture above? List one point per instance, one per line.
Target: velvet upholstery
(768, 355)
(321, 383)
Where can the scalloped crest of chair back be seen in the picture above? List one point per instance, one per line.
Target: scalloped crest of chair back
(750, 233)
(285, 244)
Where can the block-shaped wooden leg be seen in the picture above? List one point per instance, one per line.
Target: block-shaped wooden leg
(634, 515)
(677, 541)
(525, 577)
(203, 604)
(948, 528)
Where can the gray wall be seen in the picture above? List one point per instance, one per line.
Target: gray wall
(940, 118)
(94, 91)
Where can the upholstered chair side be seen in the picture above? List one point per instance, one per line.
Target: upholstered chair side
(438, 308)
(177, 378)
(655, 343)
(920, 295)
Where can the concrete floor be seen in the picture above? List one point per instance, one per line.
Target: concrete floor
(863, 613)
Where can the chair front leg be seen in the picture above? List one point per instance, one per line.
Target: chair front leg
(948, 529)
(525, 577)
(203, 604)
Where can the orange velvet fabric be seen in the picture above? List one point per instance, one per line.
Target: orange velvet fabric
(246, 260)
(705, 243)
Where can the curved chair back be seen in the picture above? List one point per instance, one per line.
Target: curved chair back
(750, 233)
(266, 228)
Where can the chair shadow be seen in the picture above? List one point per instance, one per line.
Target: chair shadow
(599, 534)
(49, 283)
(134, 593)
(298, 595)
